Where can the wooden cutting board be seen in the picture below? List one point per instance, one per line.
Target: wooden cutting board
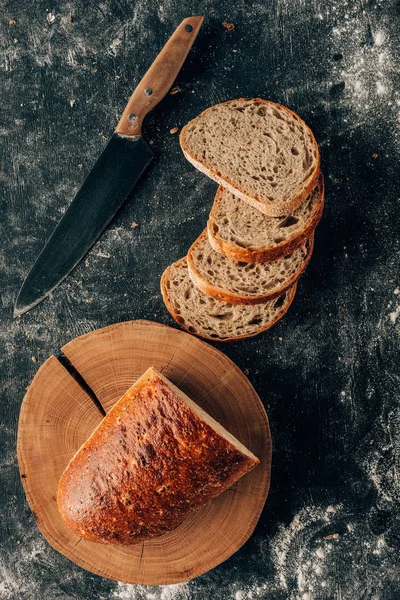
(57, 416)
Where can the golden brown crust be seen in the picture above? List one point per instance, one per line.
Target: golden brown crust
(277, 209)
(267, 254)
(150, 462)
(290, 294)
(226, 296)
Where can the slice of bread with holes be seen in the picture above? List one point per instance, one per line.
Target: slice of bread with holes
(212, 319)
(241, 282)
(243, 233)
(258, 150)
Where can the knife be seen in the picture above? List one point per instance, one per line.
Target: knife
(112, 178)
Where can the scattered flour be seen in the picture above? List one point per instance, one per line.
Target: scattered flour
(308, 564)
(369, 67)
(50, 17)
(315, 546)
(394, 315)
(124, 591)
(15, 568)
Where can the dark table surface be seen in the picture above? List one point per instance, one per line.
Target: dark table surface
(327, 373)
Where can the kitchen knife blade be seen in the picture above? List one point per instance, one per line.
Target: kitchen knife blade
(112, 178)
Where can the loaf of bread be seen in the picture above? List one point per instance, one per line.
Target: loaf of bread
(243, 233)
(241, 282)
(212, 319)
(155, 458)
(258, 150)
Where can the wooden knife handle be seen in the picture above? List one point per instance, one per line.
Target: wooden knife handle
(159, 78)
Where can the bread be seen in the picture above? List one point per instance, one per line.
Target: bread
(211, 319)
(155, 458)
(240, 282)
(243, 233)
(260, 151)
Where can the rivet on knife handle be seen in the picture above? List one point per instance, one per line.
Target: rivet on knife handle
(159, 78)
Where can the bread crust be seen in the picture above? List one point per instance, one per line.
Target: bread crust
(150, 463)
(271, 253)
(285, 307)
(226, 296)
(272, 209)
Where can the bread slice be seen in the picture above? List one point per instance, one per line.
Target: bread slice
(242, 232)
(211, 319)
(155, 458)
(240, 282)
(260, 151)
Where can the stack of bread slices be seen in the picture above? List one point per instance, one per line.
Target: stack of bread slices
(239, 277)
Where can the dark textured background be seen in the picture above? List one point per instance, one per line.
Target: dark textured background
(327, 373)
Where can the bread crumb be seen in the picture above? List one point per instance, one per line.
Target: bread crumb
(175, 90)
(331, 536)
(374, 155)
(134, 225)
(228, 26)
(12, 22)
(33, 359)
(80, 165)
(174, 130)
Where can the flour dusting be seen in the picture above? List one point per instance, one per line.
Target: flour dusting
(308, 565)
(315, 543)
(395, 314)
(124, 591)
(367, 65)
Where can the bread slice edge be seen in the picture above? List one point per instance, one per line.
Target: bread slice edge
(285, 307)
(272, 209)
(226, 296)
(268, 254)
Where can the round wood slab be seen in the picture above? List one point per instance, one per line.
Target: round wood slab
(57, 416)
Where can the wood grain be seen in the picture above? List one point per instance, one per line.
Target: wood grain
(57, 417)
(159, 78)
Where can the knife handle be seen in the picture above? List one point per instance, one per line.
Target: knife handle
(158, 80)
